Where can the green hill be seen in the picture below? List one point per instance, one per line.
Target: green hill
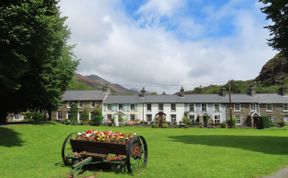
(273, 74)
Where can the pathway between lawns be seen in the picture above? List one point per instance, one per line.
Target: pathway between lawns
(282, 173)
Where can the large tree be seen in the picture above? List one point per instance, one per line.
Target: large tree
(36, 63)
(277, 11)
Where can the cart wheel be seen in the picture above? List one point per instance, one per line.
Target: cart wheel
(67, 154)
(137, 154)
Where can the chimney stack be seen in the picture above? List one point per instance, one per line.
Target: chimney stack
(282, 90)
(142, 92)
(181, 92)
(252, 91)
(223, 91)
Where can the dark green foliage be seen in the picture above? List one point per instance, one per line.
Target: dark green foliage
(231, 123)
(96, 116)
(277, 11)
(281, 123)
(74, 114)
(34, 116)
(36, 63)
(263, 122)
(186, 120)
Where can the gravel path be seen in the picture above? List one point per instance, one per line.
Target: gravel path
(282, 173)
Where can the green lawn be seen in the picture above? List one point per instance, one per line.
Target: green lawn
(34, 151)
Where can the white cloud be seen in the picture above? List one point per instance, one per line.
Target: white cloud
(113, 46)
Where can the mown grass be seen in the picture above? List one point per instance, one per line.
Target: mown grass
(34, 151)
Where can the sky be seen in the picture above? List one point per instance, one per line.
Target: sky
(165, 44)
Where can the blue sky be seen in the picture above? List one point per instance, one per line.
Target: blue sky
(163, 45)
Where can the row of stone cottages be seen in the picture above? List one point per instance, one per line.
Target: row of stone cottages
(203, 109)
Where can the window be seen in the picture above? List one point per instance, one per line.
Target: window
(80, 115)
(285, 107)
(253, 107)
(204, 107)
(68, 104)
(93, 104)
(109, 107)
(192, 119)
(132, 117)
(238, 120)
(109, 118)
(120, 107)
(148, 107)
(149, 117)
(237, 107)
(68, 115)
(285, 119)
(160, 107)
(80, 104)
(191, 107)
(173, 118)
(173, 107)
(59, 115)
(269, 107)
(132, 107)
(216, 119)
(216, 108)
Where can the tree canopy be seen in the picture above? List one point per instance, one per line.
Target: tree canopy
(36, 62)
(277, 11)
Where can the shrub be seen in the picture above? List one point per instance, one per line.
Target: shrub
(281, 123)
(263, 122)
(74, 114)
(233, 124)
(186, 120)
(223, 125)
(165, 125)
(154, 125)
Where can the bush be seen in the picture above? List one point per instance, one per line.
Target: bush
(223, 125)
(186, 120)
(34, 116)
(154, 125)
(263, 122)
(281, 123)
(165, 125)
(97, 120)
(233, 124)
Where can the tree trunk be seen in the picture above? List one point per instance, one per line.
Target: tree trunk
(3, 119)
(49, 114)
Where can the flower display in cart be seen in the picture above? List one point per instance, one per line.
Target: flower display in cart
(104, 137)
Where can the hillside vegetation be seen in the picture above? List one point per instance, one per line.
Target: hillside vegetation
(273, 74)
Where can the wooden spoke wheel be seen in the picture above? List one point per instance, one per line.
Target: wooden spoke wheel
(137, 154)
(67, 154)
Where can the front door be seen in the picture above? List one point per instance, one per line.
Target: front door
(205, 121)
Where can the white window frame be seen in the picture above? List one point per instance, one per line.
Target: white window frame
(238, 105)
(132, 117)
(132, 107)
(194, 118)
(80, 104)
(162, 106)
(173, 110)
(149, 108)
(218, 109)
(92, 104)
(120, 108)
(285, 106)
(237, 119)
(109, 107)
(269, 110)
(202, 108)
(218, 118)
(253, 104)
(193, 106)
(173, 117)
(68, 104)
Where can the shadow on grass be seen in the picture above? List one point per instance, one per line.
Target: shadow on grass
(32, 122)
(9, 138)
(264, 144)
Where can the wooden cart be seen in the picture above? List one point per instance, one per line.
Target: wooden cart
(78, 154)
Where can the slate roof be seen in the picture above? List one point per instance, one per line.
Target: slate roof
(122, 99)
(83, 95)
(197, 98)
